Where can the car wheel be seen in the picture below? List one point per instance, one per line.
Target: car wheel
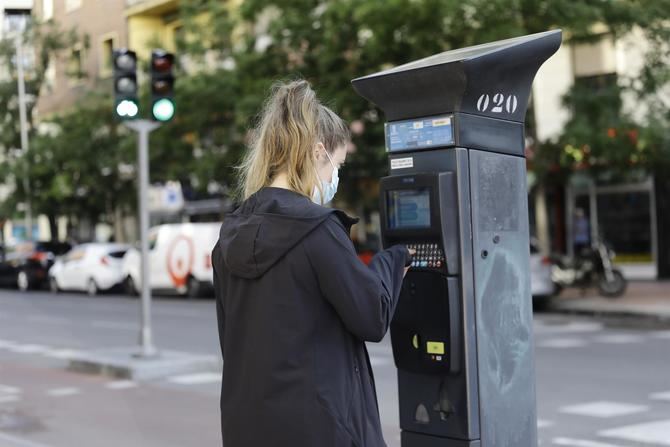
(23, 281)
(91, 287)
(192, 288)
(131, 288)
(53, 285)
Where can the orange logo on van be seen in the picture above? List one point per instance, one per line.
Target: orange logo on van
(180, 262)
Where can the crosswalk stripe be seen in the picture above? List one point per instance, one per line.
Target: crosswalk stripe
(561, 343)
(664, 395)
(653, 433)
(195, 379)
(6, 389)
(619, 338)
(60, 392)
(580, 443)
(121, 385)
(603, 409)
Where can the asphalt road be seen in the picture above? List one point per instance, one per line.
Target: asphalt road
(597, 386)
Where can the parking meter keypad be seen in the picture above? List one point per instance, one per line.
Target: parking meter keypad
(428, 255)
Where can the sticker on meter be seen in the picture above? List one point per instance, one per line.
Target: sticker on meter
(435, 347)
(400, 163)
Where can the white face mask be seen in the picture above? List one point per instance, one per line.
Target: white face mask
(329, 188)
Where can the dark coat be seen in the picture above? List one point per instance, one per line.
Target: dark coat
(295, 306)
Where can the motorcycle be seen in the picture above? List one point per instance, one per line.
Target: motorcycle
(592, 267)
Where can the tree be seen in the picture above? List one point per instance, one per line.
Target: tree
(44, 41)
(332, 42)
(82, 167)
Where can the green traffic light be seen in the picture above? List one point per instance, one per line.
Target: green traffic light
(127, 109)
(163, 109)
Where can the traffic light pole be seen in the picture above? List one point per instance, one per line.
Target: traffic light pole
(143, 129)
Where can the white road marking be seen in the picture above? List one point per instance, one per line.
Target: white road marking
(575, 326)
(661, 334)
(121, 385)
(580, 443)
(48, 319)
(654, 433)
(663, 395)
(603, 409)
(6, 389)
(60, 392)
(194, 379)
(619, 338)
(19, 442)
(28, 349)
(541, 423)
(561, 343)
(5, 343)
(9, 398)
(62, 353)
(104, 324)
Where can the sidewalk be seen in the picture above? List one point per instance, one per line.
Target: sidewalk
(644, 300)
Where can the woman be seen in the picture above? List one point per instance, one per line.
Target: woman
(294, 303)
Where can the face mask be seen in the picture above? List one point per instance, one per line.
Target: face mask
(329, 189)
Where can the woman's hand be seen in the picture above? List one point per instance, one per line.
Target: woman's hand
(411, 252)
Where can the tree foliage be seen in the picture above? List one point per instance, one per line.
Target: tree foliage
(232, 52)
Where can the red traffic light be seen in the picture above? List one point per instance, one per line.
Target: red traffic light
(161, 61)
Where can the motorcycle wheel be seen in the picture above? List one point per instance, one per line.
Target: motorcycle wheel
(615, 288)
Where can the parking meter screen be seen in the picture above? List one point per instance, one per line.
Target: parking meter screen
(408, 208)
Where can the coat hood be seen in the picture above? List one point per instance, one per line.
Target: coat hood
(266, 226)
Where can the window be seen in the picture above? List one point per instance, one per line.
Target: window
(71, 5)
(16, 20)
(105, 57)
(76, 63)
(47, 9)
(595, 58)
(50, 76)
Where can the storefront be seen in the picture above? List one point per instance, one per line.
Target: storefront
(625, 218)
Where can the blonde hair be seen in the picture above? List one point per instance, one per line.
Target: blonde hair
(292, 122)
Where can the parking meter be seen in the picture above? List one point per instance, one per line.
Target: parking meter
(462, 331)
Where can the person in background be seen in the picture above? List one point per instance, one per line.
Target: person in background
(582, 232)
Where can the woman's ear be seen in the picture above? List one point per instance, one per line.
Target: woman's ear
(319, 148)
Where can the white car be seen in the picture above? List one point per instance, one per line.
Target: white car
(89, 268)
(541, 285)
(179, 259)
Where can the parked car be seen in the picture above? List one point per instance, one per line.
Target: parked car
(541, 285)
(25, 265)
(179, 259)
(89, 268)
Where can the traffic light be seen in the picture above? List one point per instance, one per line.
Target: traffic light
(162, 85)
(125, 84)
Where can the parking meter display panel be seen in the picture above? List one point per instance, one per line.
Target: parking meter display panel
(419, 134)
(419, 210)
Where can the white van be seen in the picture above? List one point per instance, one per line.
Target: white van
(179, 259)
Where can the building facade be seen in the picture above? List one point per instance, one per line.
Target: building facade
(88, 64)
(625, 215)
